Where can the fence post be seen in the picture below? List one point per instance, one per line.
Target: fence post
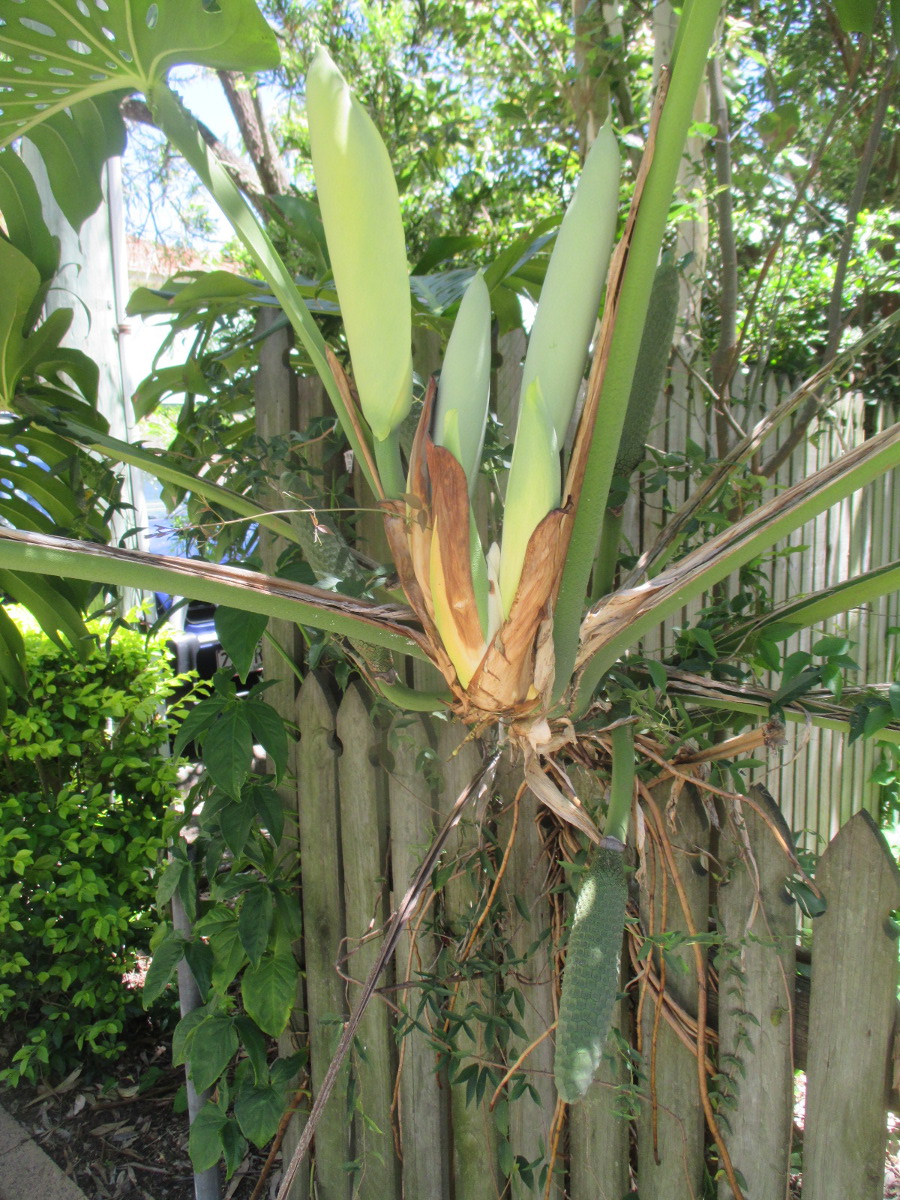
(851, 1017)
(599, 1136)
(476, 1173)
(323, 923)
(756, 995)
(280, 399)
(423, 1117)
(364, 847)
(671, 1156)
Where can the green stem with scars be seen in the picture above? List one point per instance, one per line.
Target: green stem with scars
(763, 529)
(621, 790)
(125, 568)
(181, 130)
(695, 36)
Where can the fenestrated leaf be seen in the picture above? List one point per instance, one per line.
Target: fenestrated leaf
(239, 632)
(258, 1111)
(211, 1048)
(74, 144)
(61, 52)
(47, 602)
(269, 992)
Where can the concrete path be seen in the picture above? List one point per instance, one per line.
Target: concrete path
(26, 1173)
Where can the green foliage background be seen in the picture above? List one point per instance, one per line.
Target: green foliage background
(86, 785)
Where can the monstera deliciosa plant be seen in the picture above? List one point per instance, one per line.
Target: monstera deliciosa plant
(525, 632)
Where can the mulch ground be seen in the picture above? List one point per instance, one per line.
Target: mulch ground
(119, 1137)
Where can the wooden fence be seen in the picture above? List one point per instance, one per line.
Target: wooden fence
(450, 1095)
(450, 1092)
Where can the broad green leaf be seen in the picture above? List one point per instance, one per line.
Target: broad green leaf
(228, 953)
(235, 822)
(12, 657)
(168, 883)
(258, 1111)
(74, 144)
(211, 1048)
(269, 731)
(228, 749)
(46, 600)
(269, 992)
(255, 1045)
(60, 52)
(36, 554)
(239, 633)
(166, 958)
(255, 921)
(269, 810)
(856, 16)
(205, 1142)
(184, 1032)
(200, 959)
(22, 285)
(20, 205)
(234, 1147)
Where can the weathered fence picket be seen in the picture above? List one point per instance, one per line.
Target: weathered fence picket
(368, 799)
(437, 1141)
(756, 976)
(851, 1017)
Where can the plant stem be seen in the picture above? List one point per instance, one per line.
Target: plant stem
(621, 792)
(607, 560)
(695, 37)
(390, 466)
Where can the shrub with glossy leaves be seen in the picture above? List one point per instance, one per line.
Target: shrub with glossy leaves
(86, 787)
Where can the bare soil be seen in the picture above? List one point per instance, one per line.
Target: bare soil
(119, 1137)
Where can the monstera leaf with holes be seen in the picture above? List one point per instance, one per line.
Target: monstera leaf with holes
(69, 63)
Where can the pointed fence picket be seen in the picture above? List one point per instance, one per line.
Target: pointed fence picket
(417, 1129)
(365, 795)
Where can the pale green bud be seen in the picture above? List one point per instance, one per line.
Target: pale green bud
(363, 227)
(465, 383)
(570, 298)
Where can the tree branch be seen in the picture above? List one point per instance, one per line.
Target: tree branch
(136, 110)
(247, 112)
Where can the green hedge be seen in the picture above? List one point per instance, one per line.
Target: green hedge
(85, 790)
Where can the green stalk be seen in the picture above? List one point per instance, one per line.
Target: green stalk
(604, 576)
(761, 709)
(821, 605)
(200, 581)
(699, 26)
(181, 130)
(390, 465)
(763, 529)
(621, 790)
